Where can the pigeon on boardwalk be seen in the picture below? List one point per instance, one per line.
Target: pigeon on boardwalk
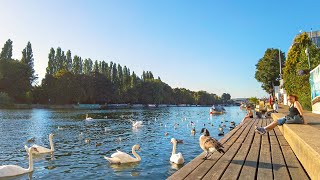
(209, 144)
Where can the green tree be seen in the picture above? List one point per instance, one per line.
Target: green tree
(27, 59)
(77, 65)
(295, 82)
(268, 69)
(51, 69)
(6, 52)
(68, 61)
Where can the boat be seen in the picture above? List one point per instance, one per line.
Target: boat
(217, 109)
(152, 105)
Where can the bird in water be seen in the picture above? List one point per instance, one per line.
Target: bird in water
(31, 140)
(166, 134)
(209, 144)
(193, 131)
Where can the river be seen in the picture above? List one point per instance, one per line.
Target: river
(74, 158)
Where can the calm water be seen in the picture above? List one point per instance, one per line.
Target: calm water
(76, 159)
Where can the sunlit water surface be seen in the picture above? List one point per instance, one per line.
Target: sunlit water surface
(75, 159)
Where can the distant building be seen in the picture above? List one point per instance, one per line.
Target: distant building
(315, 37)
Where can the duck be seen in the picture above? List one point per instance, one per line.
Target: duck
(14, 170)
(98, 144)
(88, 118)
(60, 128)
(179, 141)
(87, 140)
(43, 150)
(31, 140)
(232, 123)
(193, 131)
(209, 144)
(221, 133)
(176, 158)
(166, 134)
(122, 158)
(220, 128)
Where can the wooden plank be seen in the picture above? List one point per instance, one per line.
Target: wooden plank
(250, 166)
(205, 166)
(265, 166)
(295, 169)
(192, 165)
(278, 164)
(282, 141)
(219, 168)
(234, 168)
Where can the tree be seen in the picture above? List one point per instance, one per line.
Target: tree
(6, 52)
(268, 69)
(225, 97)
(27, 59)
(77, 65)
(68, 61)
(51, 69)
(294, 82)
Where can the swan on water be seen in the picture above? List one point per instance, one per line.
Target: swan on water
(88, 118)
(43, 150)
(136, 124)
(176, 158)
(14, 170)
(209, 144)
(122, 158)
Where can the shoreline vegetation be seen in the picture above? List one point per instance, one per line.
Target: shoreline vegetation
(98, 106)
(76, 80)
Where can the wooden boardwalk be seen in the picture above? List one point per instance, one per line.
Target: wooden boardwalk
(248, 156)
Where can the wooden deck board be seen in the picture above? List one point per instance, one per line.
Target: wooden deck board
(204, 167)
(234, 168)
(248, 156)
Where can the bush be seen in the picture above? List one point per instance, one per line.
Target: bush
(5, 99)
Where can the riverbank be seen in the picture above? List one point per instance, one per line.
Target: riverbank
(97, 106)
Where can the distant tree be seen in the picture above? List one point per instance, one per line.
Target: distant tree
(27, 59)
(225, 97)
(51, 68)
(6, 52)
(77, 65)
(68, 61)
(268, 69)
(87, 66)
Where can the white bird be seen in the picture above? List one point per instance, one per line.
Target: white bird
(14, 170)
(122, 158)
(88, 118)
(209, 144)
(43, 150)
(136, 124)
(60, 128)
(176, 158)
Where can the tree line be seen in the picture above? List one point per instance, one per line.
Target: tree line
(73, 79)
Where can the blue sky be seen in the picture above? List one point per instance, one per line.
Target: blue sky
(199, 45)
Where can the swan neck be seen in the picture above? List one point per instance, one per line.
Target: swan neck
(174, 148)
(135, 154)
(30, 169)
(51, 143)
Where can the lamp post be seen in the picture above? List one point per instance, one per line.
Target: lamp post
(307, 53)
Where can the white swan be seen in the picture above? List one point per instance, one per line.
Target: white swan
(14, 170)
(136, 124)
(43, 150)
(176, 158)
(121, 157)
(88, 118)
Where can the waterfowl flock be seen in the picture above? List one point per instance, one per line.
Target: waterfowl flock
(207, 143)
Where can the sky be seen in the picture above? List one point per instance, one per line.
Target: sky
(200, 45)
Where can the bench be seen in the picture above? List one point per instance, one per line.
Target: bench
(304, 141)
